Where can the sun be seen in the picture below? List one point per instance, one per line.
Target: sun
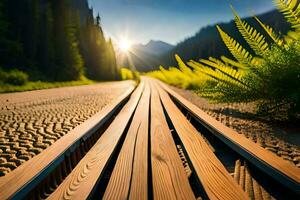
(125, 45)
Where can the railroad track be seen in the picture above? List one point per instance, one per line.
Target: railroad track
(151, 143)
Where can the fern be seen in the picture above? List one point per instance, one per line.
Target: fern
(227, 76)
(291, 11)
(236, 49)
(291, 37)
(201, 69)
(233, 63)
(256, 40)
(269, 30)
(163, 70)
(179, 76)
(182, 66)
(241, 71)
(229, 72)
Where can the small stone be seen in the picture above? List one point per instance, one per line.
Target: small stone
(296, 159)
(271, 149)
(282, 153)
(2, 160)
(286, 158)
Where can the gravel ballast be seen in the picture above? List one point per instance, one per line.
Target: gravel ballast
(282, 141)
(32, 121)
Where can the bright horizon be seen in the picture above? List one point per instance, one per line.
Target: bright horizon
(143, 20)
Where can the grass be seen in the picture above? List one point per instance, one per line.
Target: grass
(6, 88)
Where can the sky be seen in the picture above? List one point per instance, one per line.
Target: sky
(168, 20)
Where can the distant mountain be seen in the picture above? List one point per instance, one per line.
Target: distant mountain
(142, 61)
(154, 47)
(146, 57)
(207, 41)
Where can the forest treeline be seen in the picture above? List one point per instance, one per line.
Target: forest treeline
(54, 40)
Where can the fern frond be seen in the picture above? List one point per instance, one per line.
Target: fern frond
(291, 37)
(182, 66)
(236, 49)
(230, 72)
(222, 76)
(175, 76)
(269, 30)
(255, 39)
(201, 69)
(163, 70)
(291, 11)
(175, 70)
(157, 74)
(233, 63)
(241, 71)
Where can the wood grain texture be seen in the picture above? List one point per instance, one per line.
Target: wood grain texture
(131, 171)
(277, 167)
(215, 179)
(169, 178)
(20, 177)
(82, 179)
(139, 180)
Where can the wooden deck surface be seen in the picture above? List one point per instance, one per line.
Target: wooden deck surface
(139, 150)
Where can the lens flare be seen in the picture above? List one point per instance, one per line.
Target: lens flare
(125, 45)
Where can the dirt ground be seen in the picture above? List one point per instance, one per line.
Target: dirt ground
(282, 140)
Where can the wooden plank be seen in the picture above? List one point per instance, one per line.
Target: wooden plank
(80, 183)
(278, 168)
(21, 179)
(139, 184)
(169, 178)
(215, 179)
(131, 171)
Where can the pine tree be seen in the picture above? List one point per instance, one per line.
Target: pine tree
(69, 63)
(94, 49)
(112, 61)
(3, 25)
(11, 51)
(29, 21)
(98, 20)
(46, 52)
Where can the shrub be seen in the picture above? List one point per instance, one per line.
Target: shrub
(279, 80)
(127, 74)
(182, 76)
(13, 77)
